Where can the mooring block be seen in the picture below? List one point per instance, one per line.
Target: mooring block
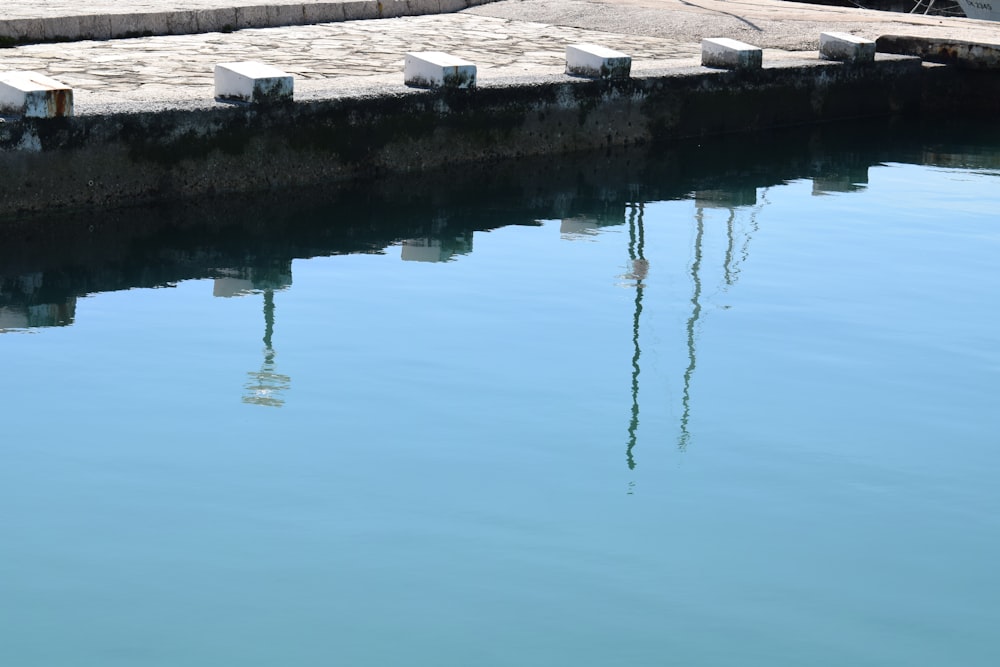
(34, 95)
(730, 54)
(846, 48)
(597, 62)
(252, 82)
(433, 69)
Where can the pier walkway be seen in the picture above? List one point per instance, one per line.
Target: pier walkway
(504, 39)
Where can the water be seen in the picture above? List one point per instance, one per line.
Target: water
(647, 414)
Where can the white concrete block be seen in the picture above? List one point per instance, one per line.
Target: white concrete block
(433, 69)
(730, 54)
(597, 62)
(846, 48)
(34, 95)
(252, 82)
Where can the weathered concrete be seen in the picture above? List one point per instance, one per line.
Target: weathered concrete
(846, 48)
(115, 158)
(770, 24)
(730, 54)
(148, 129)
(434, 69)
(33, 22)
(34, 95)
(597, 62)
(253, 83)
(157, 71)
(48, 261)
(971, 55)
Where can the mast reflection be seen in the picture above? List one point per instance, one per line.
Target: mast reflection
(265, 386)
(692, 322)
(732, 201)
(638, 270)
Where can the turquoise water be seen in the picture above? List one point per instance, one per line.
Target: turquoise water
(721, 420)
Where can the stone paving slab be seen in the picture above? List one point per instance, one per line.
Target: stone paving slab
(182, 65)
(779, 24)
(32, 21)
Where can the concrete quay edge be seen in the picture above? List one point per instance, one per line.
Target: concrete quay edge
(116, 156)
(976, 55)
(21, 31)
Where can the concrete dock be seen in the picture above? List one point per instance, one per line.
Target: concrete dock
(137, 95)
(504, 38)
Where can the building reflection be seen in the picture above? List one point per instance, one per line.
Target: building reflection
(265, 386)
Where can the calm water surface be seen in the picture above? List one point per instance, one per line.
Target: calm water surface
(752, 421)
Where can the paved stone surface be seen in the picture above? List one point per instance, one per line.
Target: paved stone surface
(166, 65)
(767, 23)
(34, 21)
(506, 38)
(38, 9)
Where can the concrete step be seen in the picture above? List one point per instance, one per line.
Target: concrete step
(28, 22)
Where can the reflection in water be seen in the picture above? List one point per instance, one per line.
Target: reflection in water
(691, 325)
(265, 386)
(854, 179)
(581, 226)
(441, 245)
(13, 318)
(45, 267)
(24, 304)
(638, 270)
(728, 272)
(732, 201)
